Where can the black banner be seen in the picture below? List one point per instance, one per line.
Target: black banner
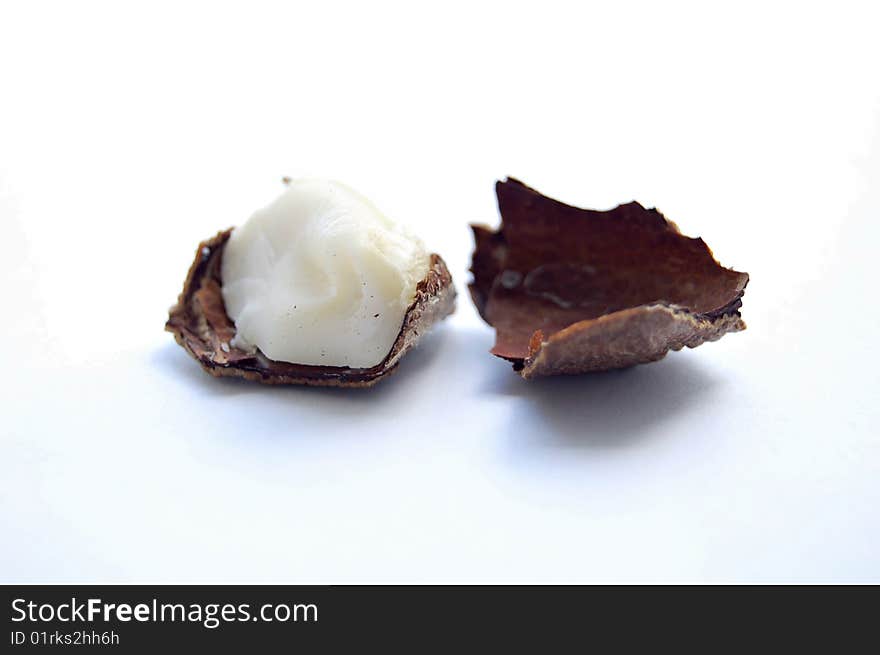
(135, 619)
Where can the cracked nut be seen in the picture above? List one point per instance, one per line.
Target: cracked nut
(318, 288)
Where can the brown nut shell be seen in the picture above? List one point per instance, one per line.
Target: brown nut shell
(573, 290)
(200, 324)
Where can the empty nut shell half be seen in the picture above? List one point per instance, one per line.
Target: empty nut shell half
(200, 324)
(572, 290)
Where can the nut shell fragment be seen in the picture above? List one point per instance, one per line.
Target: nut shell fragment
(200, 324)
(572, 290)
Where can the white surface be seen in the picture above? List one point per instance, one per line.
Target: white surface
(126, 136)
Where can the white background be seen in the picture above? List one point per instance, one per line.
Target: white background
(128, 134)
